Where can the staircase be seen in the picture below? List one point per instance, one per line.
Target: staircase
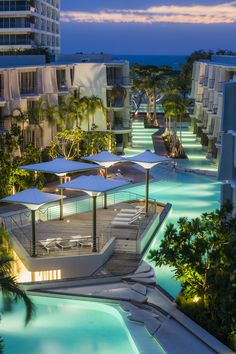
(141, 138)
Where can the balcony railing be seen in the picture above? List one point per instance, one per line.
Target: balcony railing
(199, 98)
(211, 83)
(205, 102)
(119, 81)
(15, 7)
(205, 82)
(215, 109)
(220, 86)
(201, 80)
(115, 103)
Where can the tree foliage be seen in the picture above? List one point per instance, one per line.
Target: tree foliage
(75, 143)
(11, 157)
(10, 291)
(202, 252)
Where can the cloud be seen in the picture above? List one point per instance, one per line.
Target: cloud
(195, 14)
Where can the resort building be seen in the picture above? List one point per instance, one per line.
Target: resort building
(227, 165)
(208, 81)
(24, 86)
(29, 24)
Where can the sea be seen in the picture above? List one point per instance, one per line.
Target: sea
(172, 60)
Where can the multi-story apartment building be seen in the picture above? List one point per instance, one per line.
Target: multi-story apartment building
(227, 165)
(209, 79)
(28, 24)
(24, 86)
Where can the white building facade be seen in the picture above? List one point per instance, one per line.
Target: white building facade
(208, 81)
(22, 87)
(29, 24)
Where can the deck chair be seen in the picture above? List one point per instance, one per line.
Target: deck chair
(49, 244)
(125, 222)
(65, 244)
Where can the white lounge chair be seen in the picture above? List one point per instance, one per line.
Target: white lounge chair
(49, 244)
(65, 244)
(125, 222)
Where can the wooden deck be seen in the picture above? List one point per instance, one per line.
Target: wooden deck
(81, 224)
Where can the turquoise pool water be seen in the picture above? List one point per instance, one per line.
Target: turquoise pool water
(190, 194)
(196, 154)
(65, 326)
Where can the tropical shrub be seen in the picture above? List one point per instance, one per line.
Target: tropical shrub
(202, 253)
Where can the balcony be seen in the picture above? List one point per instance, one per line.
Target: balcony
(199, 98)
(211, 83)
(116, 104)
(215, 109)
(220, 86)
(201, 80)
(205, 102)
(205, 81)
(119, 81)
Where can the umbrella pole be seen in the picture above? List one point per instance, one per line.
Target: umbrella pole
(61, 199)
(33, 233)
(94, 224)
(147, 190)
(105, 194)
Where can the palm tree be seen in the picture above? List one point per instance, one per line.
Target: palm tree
(36, 116)
(175, 108)
(51, 114)
(67, 112)
(20, 116)
(89, 107)
(116, 94)
(10, 290)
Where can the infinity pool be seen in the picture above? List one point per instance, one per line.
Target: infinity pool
(65, 326)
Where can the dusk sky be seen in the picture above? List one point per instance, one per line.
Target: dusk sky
(147, 27)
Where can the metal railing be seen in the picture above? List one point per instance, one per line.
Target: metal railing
(15, 223)
(17, 231)
(211, 83)
(220, 86)
(119, 81)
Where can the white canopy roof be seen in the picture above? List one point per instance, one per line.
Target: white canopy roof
(93, 185)
(148, 159)
(32, 198)
(59, 166)
(104, 158)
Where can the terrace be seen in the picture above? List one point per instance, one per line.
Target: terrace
(78, 221)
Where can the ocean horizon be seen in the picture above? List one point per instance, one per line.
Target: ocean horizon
(171, 60)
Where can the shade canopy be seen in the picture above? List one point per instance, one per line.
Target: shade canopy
(148, 159)
(93, 185)
(104, 158)
(32, 198)
(59, 166)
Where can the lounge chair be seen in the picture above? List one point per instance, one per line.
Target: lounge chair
(86, 241)
(65, 244)
(125, 221)
(133, 210)
(129, 215)
(49, 244)
(79, 238)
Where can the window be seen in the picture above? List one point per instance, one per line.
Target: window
(28, 82)
(61, 79)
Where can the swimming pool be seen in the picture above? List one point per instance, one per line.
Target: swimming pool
(69, 326)
(190, 196)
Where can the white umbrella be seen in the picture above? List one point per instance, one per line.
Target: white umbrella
(60, 167)
(33, 199)
(147, 160)
(105, 159)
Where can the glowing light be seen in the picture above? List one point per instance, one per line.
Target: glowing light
(196, 299)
